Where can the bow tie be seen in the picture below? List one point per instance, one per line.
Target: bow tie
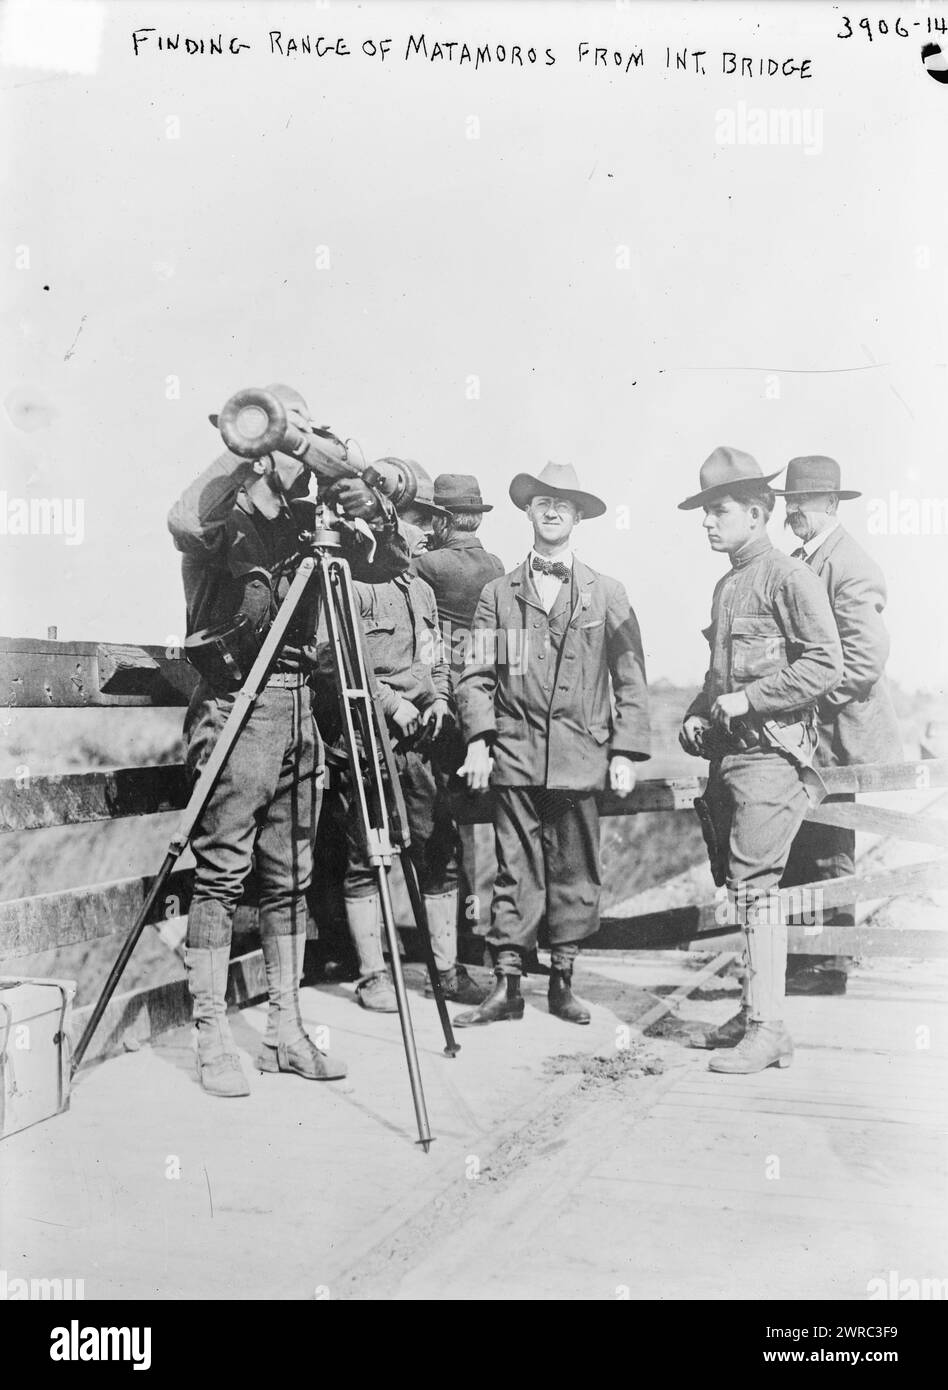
(799, 553)
(554, 567)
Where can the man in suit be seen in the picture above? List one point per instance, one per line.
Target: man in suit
(774, 653)
(554, 645)
(456, 565)
(856, 721)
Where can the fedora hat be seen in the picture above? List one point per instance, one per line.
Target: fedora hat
(726, 472)
(814, 473)
(556, 480)
(424, 496)
(459, 492)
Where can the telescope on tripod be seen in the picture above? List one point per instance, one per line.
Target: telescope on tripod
(255, 424)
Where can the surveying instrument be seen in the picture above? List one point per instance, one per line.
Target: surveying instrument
(254, 424)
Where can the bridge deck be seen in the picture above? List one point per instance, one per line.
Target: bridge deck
(807, 1182)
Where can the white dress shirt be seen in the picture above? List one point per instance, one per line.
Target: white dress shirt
(548, 587)
(809, 547)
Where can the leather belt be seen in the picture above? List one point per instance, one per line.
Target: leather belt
(286, 680)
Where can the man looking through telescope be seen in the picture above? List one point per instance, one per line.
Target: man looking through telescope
(240, 542)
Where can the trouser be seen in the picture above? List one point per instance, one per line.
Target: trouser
(263, 809)
(822, 852)
(547, 845)
(434, 835)
(758, 803)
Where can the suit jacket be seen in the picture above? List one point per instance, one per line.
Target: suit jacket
(458, 572)
(857, 720)
(538, 686)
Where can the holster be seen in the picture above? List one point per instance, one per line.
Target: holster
(223, 654)
(717, 853)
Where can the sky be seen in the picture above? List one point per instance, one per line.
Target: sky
(481, 269)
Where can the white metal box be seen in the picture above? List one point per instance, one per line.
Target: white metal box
(34, 1050)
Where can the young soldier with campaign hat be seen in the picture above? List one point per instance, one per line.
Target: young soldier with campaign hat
(552, 705)
(856, 721)
(774, 653)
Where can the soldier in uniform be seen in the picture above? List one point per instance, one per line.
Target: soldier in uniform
(240, 546)
(553, 641)
(403, 644)
(774, 653)
(856, 721)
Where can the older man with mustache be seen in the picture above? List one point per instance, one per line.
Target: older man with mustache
(856, 721)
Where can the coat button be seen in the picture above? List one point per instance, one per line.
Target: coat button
(540, 656)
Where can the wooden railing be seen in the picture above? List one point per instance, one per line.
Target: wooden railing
(63, 675)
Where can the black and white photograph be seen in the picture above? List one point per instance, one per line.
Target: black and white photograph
(474, 673)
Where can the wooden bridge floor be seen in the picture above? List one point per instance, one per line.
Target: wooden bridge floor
(808, 1182)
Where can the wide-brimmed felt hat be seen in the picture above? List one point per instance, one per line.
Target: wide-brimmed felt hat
(424, 497)
(814, 473)
(556, 480)
(459, 492)
(726, 472)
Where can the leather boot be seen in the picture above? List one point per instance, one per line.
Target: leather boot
(218, 1064)
(504, 1002)
(291, 1050)
(728, 1034)
(374, 990)
(561, 1000)
(458, 987)
(441, 909)
(763, 1045)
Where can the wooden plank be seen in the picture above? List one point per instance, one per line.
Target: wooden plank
(68, 675)
(77, 798)
(877, 820)
(887, 777)
(48, 920)
(80, 797)
(142, 1015)
(888, 883)
(914, 943)
(650, 794)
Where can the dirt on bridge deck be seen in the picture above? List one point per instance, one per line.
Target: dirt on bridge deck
(569, 1163)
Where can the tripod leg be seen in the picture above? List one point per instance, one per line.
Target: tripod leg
(451, 1048)
(123, 958)
(404, 1013)
(201, 793)
(362, 718)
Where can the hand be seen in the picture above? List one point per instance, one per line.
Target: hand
(354, 498)
(690, 734)
(406, 718)
(733, 705)
(477, 766)
(433, 718)
(621, 774)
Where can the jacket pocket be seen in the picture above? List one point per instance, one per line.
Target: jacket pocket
(757, 647)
